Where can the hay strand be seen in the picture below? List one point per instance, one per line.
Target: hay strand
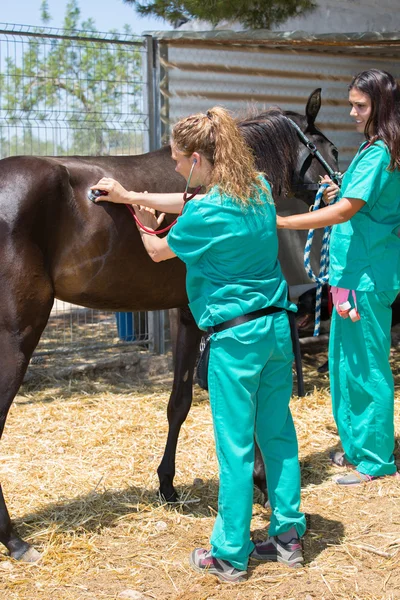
(78, 469)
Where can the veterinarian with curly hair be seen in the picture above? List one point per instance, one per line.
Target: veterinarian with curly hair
(228, 241)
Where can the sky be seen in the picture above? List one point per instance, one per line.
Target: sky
(107, 14)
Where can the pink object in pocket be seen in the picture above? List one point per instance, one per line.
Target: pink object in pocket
(340, 300)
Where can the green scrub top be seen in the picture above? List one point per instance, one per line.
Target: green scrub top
(365, 251)
(231, 255)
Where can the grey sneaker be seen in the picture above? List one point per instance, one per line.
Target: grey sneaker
(338, 459)
(289, 554)
(201, 561)
(357, 478)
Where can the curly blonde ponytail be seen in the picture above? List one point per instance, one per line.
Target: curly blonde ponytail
(216, 136)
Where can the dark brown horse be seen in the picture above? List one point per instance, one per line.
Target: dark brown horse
(55, 243)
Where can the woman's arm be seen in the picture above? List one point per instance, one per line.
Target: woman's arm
(169, 202)
(340, 212)
(157, 248)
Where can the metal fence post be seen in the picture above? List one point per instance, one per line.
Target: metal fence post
(153, 84)
(156, 318)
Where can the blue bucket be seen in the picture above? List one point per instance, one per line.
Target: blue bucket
(125, 328)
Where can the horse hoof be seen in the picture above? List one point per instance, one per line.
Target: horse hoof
(171, 499)
(29, 556)
(323, 368)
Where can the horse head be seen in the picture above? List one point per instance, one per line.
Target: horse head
(309, 167)
(284, 144)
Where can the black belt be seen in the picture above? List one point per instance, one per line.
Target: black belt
(244, 318)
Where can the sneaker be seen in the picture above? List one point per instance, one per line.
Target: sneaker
(289, 554)
(357, 478)
(354, 478)
(201, 561)
(338, 459)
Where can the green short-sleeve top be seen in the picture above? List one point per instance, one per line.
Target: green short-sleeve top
(365, 251)
(231, 255)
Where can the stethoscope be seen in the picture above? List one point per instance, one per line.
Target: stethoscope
(93, 194)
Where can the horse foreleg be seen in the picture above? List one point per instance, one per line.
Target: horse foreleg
(15, 545)
(188, 340)
(25, 302)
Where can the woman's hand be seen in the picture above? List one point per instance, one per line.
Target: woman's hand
(147, 217)
(331, 191)
(115, 191)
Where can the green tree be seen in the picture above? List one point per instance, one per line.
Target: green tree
(253, 14)
(89, 89)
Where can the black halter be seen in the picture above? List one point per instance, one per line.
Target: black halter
(313, 151)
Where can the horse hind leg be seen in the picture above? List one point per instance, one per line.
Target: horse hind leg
(259, 475)
(26, 298)
(187, 347)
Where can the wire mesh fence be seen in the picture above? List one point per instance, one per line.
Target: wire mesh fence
(85, 328)
(71, 94)
(75, 93)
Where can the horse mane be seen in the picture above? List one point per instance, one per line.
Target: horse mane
(274, 143)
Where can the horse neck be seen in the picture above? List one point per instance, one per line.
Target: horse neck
(275, 146)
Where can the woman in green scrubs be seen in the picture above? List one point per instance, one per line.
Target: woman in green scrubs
(364, 259)
(228, 241)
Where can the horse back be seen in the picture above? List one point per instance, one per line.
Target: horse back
(92, 252)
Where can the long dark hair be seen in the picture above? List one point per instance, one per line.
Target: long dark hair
(384, 122)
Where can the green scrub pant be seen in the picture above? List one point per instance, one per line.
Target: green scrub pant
(362, 385)
(250, 384)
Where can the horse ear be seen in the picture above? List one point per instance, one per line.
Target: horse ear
(313, 106)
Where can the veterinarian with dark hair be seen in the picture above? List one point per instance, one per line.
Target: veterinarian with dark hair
(228, 240)
(365, 266)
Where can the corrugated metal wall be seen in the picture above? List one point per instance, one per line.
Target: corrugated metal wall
(196, 75)
(199, 70)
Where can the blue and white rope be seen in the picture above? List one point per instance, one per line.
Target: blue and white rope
(323, 274)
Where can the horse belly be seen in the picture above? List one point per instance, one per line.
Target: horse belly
(129, 284)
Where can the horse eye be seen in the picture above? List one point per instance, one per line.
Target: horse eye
(335, 153)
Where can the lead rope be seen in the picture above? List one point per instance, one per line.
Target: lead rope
(323, 274)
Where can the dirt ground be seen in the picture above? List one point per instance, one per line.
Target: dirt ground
(78, 469)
